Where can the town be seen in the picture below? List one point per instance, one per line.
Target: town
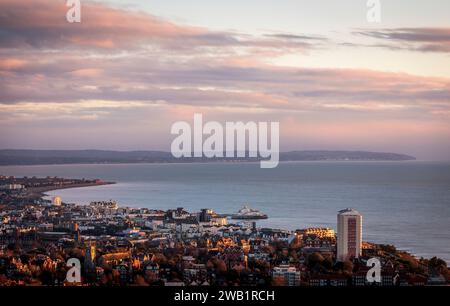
(121, 246)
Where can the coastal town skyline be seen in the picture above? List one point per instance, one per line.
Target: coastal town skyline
(111, 245)
(118, 79)
(205, 152)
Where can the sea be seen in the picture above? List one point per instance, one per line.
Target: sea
(406, 203)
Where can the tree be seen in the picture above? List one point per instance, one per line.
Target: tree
(328, 263)
(315, 259)
(140, 281)
(347, 266)
(46, 278)
(221, 266)
(437, 264)
(388, 248)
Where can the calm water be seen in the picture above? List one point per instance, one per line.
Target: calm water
(403, 203)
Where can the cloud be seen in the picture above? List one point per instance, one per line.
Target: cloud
(44, 59)
(416, 39)
(205, 82)
(126, 73)
(42, 25)
(11, 64)
(294, 37)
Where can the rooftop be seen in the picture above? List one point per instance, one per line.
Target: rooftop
(349, 211)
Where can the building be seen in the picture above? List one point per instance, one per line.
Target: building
(205, 215)
(288, 274)
(328, 280)
(349, 236)
(321, 232)
(57, 201)
(11, 187)
(89, 259)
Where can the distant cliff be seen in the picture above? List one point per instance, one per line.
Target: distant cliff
(45, 157)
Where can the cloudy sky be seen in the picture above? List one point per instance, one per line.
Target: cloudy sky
(121, 77)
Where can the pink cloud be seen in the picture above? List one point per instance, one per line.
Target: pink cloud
(42, 24)
(415, 39)
(11, 64)
(158, 71)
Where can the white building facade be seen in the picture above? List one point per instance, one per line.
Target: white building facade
(290, 275)
(349, 236)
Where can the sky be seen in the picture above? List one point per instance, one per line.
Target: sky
(120, 78)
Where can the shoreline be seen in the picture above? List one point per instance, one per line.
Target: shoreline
(399, 250)
(408, 251)
(40, 192)
(224, 162)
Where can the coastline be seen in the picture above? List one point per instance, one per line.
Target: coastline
(225, 162)
(162, 191)
(39, 192)
(399, 252)
(58, 223)
(184, 162)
